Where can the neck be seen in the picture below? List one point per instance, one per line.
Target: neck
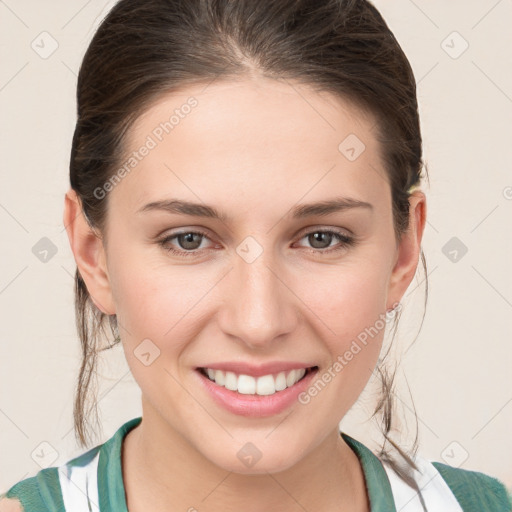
(163, 472)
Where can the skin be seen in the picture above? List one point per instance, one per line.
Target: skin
(253, 149)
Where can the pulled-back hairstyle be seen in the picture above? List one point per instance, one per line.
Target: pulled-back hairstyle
(144, 49)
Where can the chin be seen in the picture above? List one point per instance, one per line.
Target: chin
(249, 460)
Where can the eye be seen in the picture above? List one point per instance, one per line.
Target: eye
(321, 240)
(190, 242)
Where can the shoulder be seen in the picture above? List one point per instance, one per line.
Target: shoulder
(10, 505)
(72, 485)
(475, 490)
(43, 492)
(38, 493)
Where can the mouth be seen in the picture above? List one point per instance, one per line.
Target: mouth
(263, 385)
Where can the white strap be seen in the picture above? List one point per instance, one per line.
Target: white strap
(436, 493)
(79, 486)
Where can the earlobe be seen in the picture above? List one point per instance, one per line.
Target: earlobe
(409, 249)
(89, 253)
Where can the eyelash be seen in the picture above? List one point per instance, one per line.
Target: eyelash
(345, 242)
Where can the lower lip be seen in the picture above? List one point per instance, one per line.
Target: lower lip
(255, 405)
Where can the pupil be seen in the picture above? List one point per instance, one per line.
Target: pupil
(318, 237)
(189, 239)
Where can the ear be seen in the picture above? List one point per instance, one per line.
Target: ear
(409, 249)
(89, 253)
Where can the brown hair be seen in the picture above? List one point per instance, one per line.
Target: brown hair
(144, 49)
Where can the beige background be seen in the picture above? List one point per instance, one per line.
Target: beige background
(459, 368)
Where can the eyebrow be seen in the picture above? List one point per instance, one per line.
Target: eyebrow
(338, 204)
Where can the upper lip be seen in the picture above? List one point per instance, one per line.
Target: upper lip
(257, 370)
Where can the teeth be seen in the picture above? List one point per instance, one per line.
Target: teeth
(248, 385)
(231, 381)
(280, 381)
(220, 377)
(290, 378)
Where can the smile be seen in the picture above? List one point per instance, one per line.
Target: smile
(249, 385)
(262, 395)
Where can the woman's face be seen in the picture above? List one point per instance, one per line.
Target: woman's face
(261, 284)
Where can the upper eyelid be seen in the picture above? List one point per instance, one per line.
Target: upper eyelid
(301, 234)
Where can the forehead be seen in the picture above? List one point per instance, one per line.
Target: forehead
(260, 106)
(253, 138)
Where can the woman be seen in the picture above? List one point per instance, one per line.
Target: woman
(244, 209)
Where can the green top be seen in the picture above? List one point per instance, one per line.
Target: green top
(475, 491)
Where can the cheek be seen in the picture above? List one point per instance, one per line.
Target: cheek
(350, 323)
(347, 298)
(154, 313)
(159, 311)
(348, 309)
(150, 296)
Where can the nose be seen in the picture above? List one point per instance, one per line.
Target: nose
(260, 305)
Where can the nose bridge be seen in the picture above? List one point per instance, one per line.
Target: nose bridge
(260, 306)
